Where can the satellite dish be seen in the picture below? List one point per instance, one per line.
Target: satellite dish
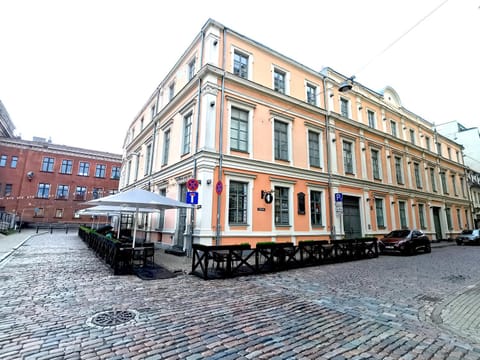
(30, 175)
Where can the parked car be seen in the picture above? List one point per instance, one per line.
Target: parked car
(405, 241)
(469, 237)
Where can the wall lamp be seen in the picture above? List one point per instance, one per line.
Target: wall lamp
(367, 199)
(347, 85)
(393, 202)
(360, 108)
(332, 95)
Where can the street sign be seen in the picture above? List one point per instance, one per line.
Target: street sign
(338, 197)
(192, 198)
(339, 208)
(192, 184)
(219, 187)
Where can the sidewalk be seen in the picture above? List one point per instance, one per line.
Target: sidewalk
(10, 243)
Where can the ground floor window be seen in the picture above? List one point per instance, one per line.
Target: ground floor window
(316, 208)
(237, 203)
(282, 216)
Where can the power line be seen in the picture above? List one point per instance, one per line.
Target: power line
(402, 36)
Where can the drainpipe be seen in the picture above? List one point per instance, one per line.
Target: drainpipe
(220, 140)
(329, 161)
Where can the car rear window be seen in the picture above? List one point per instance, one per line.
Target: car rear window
(467, 232)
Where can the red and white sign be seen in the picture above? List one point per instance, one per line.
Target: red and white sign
(192, 184)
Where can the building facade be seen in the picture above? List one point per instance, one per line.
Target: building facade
(6, 125)
(283, 153)
(41, 182)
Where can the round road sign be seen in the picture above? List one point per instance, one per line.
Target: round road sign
(192, 184)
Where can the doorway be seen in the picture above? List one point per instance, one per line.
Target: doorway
(352, 224)
(182, 220)
(436, 223)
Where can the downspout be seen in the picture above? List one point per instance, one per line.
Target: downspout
(329, 161)
(220, 140)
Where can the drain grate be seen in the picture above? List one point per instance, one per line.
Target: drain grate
(112, 318)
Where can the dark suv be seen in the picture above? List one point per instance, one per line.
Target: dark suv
(469, 237)
(405, 241)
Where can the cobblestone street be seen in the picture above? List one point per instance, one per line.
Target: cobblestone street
(392, 307)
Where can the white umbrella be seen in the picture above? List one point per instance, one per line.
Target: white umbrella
(139, 199)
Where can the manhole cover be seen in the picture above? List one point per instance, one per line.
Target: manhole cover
(428, 298)
(112, 318)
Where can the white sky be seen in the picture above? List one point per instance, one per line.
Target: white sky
(79, 71)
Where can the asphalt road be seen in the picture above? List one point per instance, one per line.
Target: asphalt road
(59, 301)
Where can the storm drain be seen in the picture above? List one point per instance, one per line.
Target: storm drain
(112, 318)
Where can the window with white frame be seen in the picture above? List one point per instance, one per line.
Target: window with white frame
(282, 206)
(403, 214)
(345, 107)
(311, 94)
(316, 216)
(13, 162)
(80, 193)
(240, 64)
(418, 178)
(280, 81)
(237, 203)
(148, 160)
(379, 213)
(448, 214)
(239, 129)
(166, 146)
(171, 91)
(191, 69)
(393, 128)
(462, 185)
(376, 170)
(412, 136)
(443, 179)
(427, 143)
(83, 168)
(47, 164)
(281, 143)
(43, 191)
(454, 185)
(348, 157)
(399, 170)
(66, 167)
(152, 112)
(371, 119)
(421, 216)
(314, 148)
(432, 179)
(459, 219)
(100, 170)
(187, 133)
(62, 192)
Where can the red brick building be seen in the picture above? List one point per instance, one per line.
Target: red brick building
(42, 182)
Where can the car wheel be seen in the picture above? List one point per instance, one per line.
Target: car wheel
(459, 243)
(428, 249)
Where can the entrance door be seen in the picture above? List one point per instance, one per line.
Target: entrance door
(436, 222)
(352, 224)
(182, 219)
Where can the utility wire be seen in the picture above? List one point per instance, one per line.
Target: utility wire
(402, 36)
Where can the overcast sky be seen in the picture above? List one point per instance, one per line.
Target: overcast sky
(79, 71)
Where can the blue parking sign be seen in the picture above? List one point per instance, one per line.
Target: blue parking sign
(338, 197)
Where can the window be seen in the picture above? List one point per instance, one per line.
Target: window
(443, 179)
(432, 179)
(191, 69)
(8, 189)
(439, 149)
(141, 123)
(115, 172)
(97, 193)
(83, 168)
(240, 64)
(347, 157)
(13, 162)
(100, 170)
(467, 225)
(66, 167)
(449, 152)
(161, 213)
(62, 192)
(166, 146)
(3, 160)
(448, 214)
(59, 213)
(47, 164)
(43, 191)
(171, 91)
(421, 215)
(412, 136)
(462, 184)
(454, 184)
(427, 143)
(80, 192)
(38, 212)
(379, 213)
(237, 203)
(148, 160)
(314, 148)
(282, 216)
(398, 170)
(281, 140)
(239, 130)
(316, 208)
(371, 119)
(393, 128)
(187, 133)
(458, 156)
(311, 94)
(403, 214)
(279, 81)
(459, 219)
(416, 171)
(375, 164)
(152, 111)
(345, 107)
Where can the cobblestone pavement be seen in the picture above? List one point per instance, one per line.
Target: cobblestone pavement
(54, 288)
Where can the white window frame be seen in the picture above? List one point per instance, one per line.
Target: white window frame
(384, 212)
(250, 110)
(249, 179)
(380, 169)
(320, 145)
(352, 143)
(309, 84)
(279, 69)
(289, 136)
(349, 106)
(372, 125)
(323, 209)
(248, 55)
(290, 186)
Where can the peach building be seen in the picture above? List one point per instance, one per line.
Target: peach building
(283, 152)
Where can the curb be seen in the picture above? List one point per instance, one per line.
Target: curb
(6, 256)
